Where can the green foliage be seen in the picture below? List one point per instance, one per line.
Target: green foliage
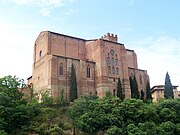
(114, 130)
(130, 116)
(168, 91)
(51, 121)
(60, 99)
(119, 89)
(148, 92)
(14, 111)
(168, 127)
(134, 88)
(73, 84)
(10, 85)
(46, 98)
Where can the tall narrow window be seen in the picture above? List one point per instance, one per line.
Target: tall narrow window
(40, 54)
(117, 71)
(116, 60)
(61, 69)
(112, 61)
(109, 70)
(88, 72)
(113, 70)
(108, 61)
(140, 79)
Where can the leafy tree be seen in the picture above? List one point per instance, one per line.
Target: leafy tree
(148, 92)
(168, 91)
(46, 98)
(11, 85)
(114, 130)
(73, 84)
(130, 116)
(119, 89)
(14, 110)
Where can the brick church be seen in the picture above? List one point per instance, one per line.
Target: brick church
(98, 64)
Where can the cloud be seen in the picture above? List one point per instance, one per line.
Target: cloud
(71, 12)
(45, 6)
(158, 55)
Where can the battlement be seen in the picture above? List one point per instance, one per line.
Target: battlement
(110, 37)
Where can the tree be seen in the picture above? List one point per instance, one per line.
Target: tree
(73, 84)
(148, 92)
(136, 91)
(11, 85)
(142, 95)
(119, 89)
(134, 88)
(168, 91)
(15, 112)
(131, 86)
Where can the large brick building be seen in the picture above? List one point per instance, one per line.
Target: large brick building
(98, 64)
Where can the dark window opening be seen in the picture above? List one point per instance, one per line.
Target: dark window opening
(40, 54)
(61, 69)
(114, 92)
(88, 72)
(140, 79)
(117, 71)
(113, 70)
(114, 80)
(109, 70)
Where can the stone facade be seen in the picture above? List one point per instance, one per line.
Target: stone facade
(98, 64)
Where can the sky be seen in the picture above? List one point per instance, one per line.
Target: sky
(149, 27)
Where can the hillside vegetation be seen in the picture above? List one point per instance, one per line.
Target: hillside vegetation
(85, 116)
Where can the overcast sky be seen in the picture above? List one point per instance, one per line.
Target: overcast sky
(150, 27)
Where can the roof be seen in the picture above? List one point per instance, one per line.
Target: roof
(29, 78)
(65, 35)
(152, 89)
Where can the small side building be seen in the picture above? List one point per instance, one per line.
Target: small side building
(158, 92)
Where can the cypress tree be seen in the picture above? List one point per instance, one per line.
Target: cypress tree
(119, 89)
(136, 92)
(148, 92)
(132, 88)
(168, 91)
(142, 95)
(73, 84)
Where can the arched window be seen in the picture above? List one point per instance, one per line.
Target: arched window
(109, 70)
(113, 70)
(112, 61)
(114, 92)
(140, 79)
(61, 69)
(88, 71)
(116, 60)
(117, 71)
(108, 61)
(40, 54)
